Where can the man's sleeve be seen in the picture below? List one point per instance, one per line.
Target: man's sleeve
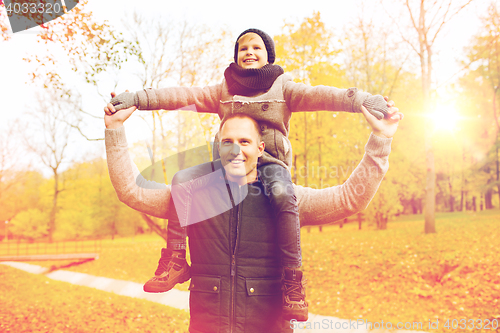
(323, 206)
(131, 188)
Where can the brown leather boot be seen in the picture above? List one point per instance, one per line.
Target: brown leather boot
(172, 269)
(294, 295)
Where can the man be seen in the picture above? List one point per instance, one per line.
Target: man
(235, 272)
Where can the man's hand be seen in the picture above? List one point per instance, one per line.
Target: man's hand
(113, 119)
(386, 127)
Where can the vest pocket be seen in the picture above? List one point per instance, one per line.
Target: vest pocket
(263, 305)
(204, 303)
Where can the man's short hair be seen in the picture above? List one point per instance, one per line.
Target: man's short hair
(244, 116)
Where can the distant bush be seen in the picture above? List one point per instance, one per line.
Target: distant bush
(31, 223)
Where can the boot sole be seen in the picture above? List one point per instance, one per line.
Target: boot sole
(298, 315)
(164, 286)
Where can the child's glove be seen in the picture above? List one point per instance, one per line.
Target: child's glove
(125, 100)
(377, 106)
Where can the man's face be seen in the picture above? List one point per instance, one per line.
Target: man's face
(240, 149)
(252, 51)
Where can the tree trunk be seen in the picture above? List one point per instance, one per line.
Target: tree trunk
(451, 199)
(382, 223)
(113, 229)
(430, 197)
(53, 211)
(488, 196)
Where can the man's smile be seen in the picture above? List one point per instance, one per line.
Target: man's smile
(237, 161)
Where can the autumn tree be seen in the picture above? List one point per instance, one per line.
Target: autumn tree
(376, 64)
(423, 22)
(373, 61)
(483, 60)
(173, 53)
(9, 158)
(47, 134)
(19, 186)
(94, 53)
(89, 206)
(307, 51)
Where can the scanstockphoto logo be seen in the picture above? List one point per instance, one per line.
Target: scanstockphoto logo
(27, 14)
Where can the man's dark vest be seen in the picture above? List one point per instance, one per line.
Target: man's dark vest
(236, 273)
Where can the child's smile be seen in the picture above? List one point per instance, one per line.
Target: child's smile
(252, 51)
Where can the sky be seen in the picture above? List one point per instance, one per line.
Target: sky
(17, 95)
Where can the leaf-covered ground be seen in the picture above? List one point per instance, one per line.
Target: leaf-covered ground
(396, 275)
(403, 275)
(35, 303)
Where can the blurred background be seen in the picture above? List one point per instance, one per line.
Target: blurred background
(425, 249)
(437, 60)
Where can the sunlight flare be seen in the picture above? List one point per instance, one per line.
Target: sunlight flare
(445, 117)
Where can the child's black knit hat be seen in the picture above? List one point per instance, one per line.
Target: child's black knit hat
(268, 42)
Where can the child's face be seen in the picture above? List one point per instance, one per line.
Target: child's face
(252, 52)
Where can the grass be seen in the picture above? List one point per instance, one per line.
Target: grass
(35, 303)
(403, 275)
(132, 259)
(395, 275)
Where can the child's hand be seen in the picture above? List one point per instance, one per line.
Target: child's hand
(377, 106)
(113, 120)
(124, 101)
(386, 127)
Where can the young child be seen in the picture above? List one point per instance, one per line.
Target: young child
(253, 85)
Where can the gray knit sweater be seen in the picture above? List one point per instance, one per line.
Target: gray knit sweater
(316, 206)
(272, 108)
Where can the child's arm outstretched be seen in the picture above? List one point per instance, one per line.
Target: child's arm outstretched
(205, 99)
(301, 97)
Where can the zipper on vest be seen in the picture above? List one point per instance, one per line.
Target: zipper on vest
(232, 265)
(233, 260)
(233, 292)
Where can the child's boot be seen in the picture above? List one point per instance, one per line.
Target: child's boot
(294, 295)
(172, 269)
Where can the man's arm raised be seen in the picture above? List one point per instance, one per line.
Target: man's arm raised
(323, 206)
(131, 188)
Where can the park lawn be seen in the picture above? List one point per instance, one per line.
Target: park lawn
(131, 259)
(403, 275)
(35, 303)
(397, 275)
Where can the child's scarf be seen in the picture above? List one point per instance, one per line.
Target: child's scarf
(248, 82)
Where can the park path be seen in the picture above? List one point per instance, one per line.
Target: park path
(180, 299)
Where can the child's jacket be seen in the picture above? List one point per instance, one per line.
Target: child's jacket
(272, 108)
